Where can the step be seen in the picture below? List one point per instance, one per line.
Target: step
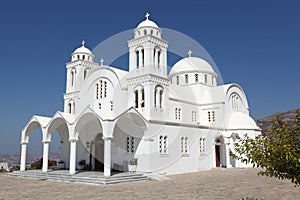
(80, 178)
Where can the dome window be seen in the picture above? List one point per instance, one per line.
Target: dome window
(196, 78)
(186, 78)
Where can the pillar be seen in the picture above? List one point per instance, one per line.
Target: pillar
(45, 156)
(227, 152)
(141, 59)
(23, 156)
(107, 156)
(72, 169)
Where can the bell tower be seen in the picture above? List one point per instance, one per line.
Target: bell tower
(148, 82)
(148, 51)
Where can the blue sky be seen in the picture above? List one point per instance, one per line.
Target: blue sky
(254, 43)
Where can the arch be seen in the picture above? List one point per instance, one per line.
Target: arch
(139, 51)
(59, 124)
(128, 132)
(34, 123)
(73, 73)
(87, 121)
(220, 155)
(139, 96)
(158, 96)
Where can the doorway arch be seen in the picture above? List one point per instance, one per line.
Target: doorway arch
(220, 152)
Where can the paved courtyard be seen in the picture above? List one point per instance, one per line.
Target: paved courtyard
(209, 185)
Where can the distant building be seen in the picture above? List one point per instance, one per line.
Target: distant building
(4, 166)
(174, 122)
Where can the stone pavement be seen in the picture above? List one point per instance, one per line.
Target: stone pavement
(209, 185)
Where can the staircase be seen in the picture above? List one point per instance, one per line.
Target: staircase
(89, 177)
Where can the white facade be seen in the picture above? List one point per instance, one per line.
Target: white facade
(173, 123)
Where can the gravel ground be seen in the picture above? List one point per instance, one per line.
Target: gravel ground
(209, 185)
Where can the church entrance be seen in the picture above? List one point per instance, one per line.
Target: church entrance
(98, 154)
(218, 160)
(219, 152)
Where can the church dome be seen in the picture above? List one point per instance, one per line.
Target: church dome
(147, 22)
(239, 120)
(83, 49)
(82, 53)
(191, 64)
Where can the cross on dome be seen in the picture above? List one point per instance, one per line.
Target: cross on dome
(83, 42)
(101, 61)
(190, 53)
(147, 16)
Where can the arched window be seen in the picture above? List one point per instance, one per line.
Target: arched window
(78, 57)
(205, 78)
(158, 96)
(136, 98)
(143, 98)
(105, 89)
(194, 116)
(160, 144)
(73, 73)
(137, 59)
(101, 89)
(200, 145)
(196, 78)
(186, 78)
(182, 145)
(186, 145)
(111, 105)
(145, 32)
(151, 32)
(70, 107)
(212, 80)
(165, 145)
(97, 91)
(83, 57)
(85, 73)
(130, 146)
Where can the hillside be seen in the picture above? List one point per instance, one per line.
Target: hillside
(266, 122)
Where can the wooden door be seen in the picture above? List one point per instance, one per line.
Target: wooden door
(218, 162)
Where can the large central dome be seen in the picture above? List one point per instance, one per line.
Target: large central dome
(190, 64)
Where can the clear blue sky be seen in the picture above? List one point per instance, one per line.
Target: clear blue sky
(254, 43)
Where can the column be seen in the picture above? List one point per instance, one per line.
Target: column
(23, 156)
(227, 151)
(72, 169)
(45, 156)
(141, 58)
(107, 156)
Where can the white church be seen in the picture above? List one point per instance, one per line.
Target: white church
(176, 122)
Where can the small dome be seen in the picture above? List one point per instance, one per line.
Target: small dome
(240, 120)
(191, 64)
(147, 23)
(82, 49)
